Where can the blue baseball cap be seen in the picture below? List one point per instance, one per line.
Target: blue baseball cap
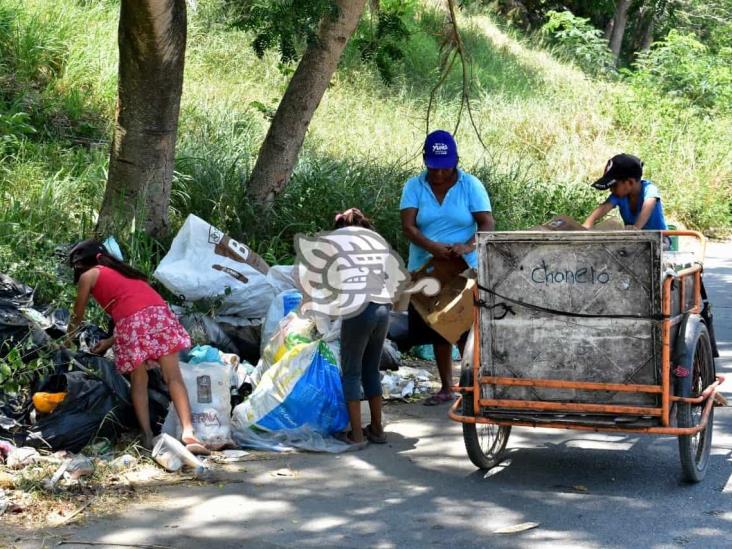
(440, 151)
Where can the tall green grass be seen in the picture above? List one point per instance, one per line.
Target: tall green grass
(547, 130)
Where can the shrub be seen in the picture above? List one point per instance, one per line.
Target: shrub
(576, 38)
(681, 66)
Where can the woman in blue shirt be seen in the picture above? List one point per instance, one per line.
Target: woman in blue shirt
(638, 200)
(441, 210)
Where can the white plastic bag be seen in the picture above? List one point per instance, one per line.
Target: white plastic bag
(204, 263)
(209, 392)
(284, 303)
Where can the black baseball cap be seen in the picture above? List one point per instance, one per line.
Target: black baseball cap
(620, 166)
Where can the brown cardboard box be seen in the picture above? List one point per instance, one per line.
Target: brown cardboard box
(449, 313)
(609, 224)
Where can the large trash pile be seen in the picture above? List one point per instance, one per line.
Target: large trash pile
(261, 375)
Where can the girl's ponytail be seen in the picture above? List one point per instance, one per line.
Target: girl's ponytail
(90, 253)
(124, 269)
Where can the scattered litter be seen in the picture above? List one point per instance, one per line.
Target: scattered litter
(5, 449)
(407, 382)
(170, 454)
(50, 484)
(516, 528)
(7, 481)
(286, 472)
(232, 456)
(4, 502)
(580, 488)
(123, 462)
(19, 458)
(78, 467)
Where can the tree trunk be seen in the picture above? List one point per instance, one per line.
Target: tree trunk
(647, 39)
(152, 43)
(280, 149)
(619, 22)
(609, 29)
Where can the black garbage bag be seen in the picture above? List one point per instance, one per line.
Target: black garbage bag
(399, 330)
(91, 409)
(390, 358)
(13, 411)
(246, 340)
(97, 404)
(204, 330)
(59, 320)
(18, 330)
(14, 294)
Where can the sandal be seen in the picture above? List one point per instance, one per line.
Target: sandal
(438, 398)
(347, 438)
(372, 436)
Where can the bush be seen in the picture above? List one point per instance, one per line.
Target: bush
(576, 38)
(683, 67)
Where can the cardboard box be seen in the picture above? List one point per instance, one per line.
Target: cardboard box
(449, 313)
(609, 224)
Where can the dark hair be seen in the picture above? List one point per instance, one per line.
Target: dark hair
(88, 254)
(353, 217)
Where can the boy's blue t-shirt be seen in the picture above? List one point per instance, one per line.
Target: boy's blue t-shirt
(452, 221)
(657, 221)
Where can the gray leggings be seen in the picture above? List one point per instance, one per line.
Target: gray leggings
(362, 340)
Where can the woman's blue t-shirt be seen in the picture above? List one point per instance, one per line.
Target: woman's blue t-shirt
(657, 221)
(452, 221)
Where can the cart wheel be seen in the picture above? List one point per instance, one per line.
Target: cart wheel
(694, 449)
(485, 443)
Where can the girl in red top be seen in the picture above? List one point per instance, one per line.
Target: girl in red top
(145, 329)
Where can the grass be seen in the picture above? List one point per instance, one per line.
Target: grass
(547, 127)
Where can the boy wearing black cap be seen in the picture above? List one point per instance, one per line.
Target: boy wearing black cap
(638, 199)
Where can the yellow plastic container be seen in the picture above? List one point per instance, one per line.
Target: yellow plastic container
(46, 403)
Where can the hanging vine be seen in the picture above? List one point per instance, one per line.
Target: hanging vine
(451, 49)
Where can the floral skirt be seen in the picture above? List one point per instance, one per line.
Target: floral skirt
(147, 335)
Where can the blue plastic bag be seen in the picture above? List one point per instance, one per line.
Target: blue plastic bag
(426, 352)
(303, 389)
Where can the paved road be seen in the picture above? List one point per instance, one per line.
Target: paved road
(585, 489)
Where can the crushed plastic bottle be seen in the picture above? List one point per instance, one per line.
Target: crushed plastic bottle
(170, 454)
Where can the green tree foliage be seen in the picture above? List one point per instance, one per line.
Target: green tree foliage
(381, 38)
(683, 67)
(285, 24)
(575, 38)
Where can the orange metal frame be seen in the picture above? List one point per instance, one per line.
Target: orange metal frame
(664, 389)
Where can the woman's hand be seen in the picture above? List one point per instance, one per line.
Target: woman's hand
(103, 346)
(441, 251)
(460, 250)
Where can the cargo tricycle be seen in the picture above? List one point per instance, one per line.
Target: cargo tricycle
(593, 331)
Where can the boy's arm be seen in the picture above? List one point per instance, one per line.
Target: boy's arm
(601, 211)
(645, 213)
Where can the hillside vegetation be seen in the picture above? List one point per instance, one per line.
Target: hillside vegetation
(547, 127)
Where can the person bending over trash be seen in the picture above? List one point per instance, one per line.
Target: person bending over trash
(362, 342)
(145, 330)
(637, 199)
